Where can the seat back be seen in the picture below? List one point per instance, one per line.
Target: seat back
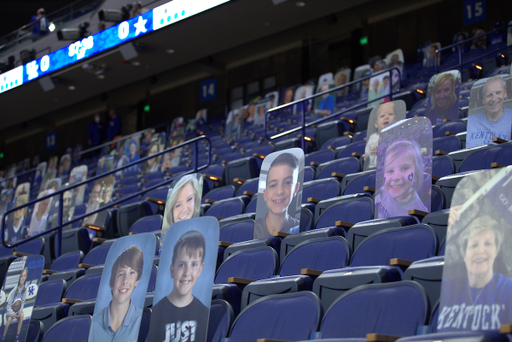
(320, 157)
(350, 209)
(344, 166)
(159, 194)
(241, 264)
(321, 254)
(67, 261)
(226, 208)
(32, 247)
(355, 147)
(245, 168)
(218, 194)
(320, 189)
(396, 308)
(147, 224)
(289, 316)
(411, 243)
(336, 142)
(451, 126)
(482, 159)
(84, 288)
(446, 144)
(354, 183)
(73, 328)
(250, 185)
(50, 292)
(75, 239)
(35, 331)
(237, 231)
(97, 255)
(442, 166)
(127, 215)
(221, 319)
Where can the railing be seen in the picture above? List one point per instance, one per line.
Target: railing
(459, 49)
(60, 194)
(58, 18)
(305, 125)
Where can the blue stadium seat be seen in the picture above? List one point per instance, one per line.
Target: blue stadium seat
(250, 186)
(451, 127)
(350, 209)
(429, 274)
(336, 142)
(221, 319)
(355, 183)
(355, 149)
(442, 166)
(342, 167)
(320, 189)
(147, 224)
(237, 231)
(296, 314)
(220, 193)
(48, 307)
(319, 157)
(156, 199)
(73, 328)
(446, 144)
(483, 158)
(226, 208)
(238, 265)
(241, 169)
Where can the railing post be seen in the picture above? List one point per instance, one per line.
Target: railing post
(303, 140)
(58, 244)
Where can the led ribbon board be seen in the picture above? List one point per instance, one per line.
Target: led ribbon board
(159, 17)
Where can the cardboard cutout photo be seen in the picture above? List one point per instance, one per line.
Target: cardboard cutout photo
(279, 193)
(15, 228)
(6, 197)
(173, 158)
(105, 164)
(183, 201)
(380, 117)
(301, 93)
(342, 77)
(404, 168)
(78, 175)
(184, 283)
(122, 290)
(395, 56)
(476, 292)
(262, 107)
(178, 125)
(52, 163)
(53, 184)
(490, 111)
(18, 295)
(49, 175)
(202, 116)
(443, 97)
(22, 189)
(39, 220)
(274, 98)
(379, 86)
(429, 53)
(509, 36)
(40, 173)
(153, 164)
(100, 195)
(234, 125)
(64, 165)
(324, 105)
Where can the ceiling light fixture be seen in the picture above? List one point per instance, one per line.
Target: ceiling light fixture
(169, 51)
(71, 87)
(300, 4)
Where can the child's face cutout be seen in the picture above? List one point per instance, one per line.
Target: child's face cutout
(185, 270)
(282, 186)
(399, 172)
(385, 115)
(184, 207)
(126, 279)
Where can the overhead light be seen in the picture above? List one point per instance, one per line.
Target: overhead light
(169, 51)
(101, 76)
(71, 87)
(300, 4)
(51, 27)
(135, 63)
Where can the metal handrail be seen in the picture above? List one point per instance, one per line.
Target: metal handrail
(61, 192)
(461, 62)
(305, 125)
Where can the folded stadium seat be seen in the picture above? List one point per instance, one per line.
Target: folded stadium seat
(359, 136)
(48, 307)
(362, 117)
(237, 231)
(360, 231)
(319, 189)
(355, 149)
(218, 194)
(213, 176)
(324, 253)
(73, 328)
(416, 112)
(408, 243)
(178, 170)
(355, 183)
(226, 208)
(442, 166)
(286, 144)
(289, 316)
(446, 144)
(337, 168)
(485, 159)
(448, 128)
(226, 158)
(127, 215)
(448, 184)
(220, 321)
(251, 207)
(241, 265)
(127, 180)
(249, 187)
(147, 224)
(336, 142)
(455, 336)
(439, 222)
(127, 190)
(78, 211)
(127, 174)
(150, 176)
(151, 183)
(344, 210)
(241, 170)
(34, 247)
(156, 199)
(329, 130)
(459, 156)
(66, 262)
(438, 200)
(465, 93)
(306, 219)
(97, 256)
(395, 308)
(420, 104)
(35, 331)
(75, 239)
(319, 157)
(290, 241)
(259, 151)
(309, 173)
(84, 288)
(429, 274)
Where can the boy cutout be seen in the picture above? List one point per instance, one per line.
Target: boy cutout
(281, 187)
(179, 316)
(385, 116)
(120, 319)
